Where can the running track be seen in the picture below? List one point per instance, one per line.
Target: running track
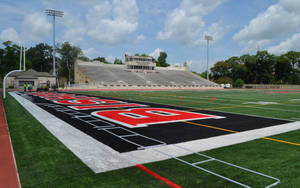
(8, 172)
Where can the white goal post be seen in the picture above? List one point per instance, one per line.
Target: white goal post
(4, 80)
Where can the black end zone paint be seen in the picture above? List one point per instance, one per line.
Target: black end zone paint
(170, 133)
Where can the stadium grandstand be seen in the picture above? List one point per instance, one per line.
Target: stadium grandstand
(137, 72)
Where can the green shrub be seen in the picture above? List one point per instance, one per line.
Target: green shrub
(239, 83)
(224, 80)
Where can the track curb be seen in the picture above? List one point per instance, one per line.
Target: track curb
(8, 172)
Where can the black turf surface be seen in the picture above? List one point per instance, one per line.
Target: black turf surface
(169, 133)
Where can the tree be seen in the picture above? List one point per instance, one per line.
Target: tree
(220, 69)
(239, 83)
(84, 58)
(224, 80)
(249, 63)
(2, 64)
(204, 74)
(68, 54)
(161, 60)
(293, 59)
(264, 67)
(101, 59)
(118, 61)
(40, 57)
(283, 69)
(9, 57)
(236, 68)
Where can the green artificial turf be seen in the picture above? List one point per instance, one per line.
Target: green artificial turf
(43, 161)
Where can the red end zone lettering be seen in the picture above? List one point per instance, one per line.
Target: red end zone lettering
(141, 117)
(87, 102)
(70, 98)
(105, 106)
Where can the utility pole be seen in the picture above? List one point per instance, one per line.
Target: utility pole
(207, 38)
(54, 13)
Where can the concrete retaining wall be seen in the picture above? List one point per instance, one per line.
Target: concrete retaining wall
(271, 86)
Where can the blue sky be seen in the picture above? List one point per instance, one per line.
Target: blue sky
(111, 28)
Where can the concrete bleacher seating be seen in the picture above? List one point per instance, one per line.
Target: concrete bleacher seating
(109, 74)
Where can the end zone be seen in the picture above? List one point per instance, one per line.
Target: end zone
(101, 157)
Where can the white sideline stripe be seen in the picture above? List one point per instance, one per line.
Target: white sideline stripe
(101, 158)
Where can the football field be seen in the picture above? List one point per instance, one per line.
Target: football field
(43, 161)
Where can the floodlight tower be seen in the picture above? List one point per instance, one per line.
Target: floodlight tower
(207, 38)
(54, 13)
(20, 57)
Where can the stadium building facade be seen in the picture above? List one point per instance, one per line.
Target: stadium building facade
(17, 79)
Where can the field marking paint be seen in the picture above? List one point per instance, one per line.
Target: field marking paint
(228, 130)
(280, 92)
(294, 99)
(255, 106)
(194, 109)
(260, 102)
(275, 109)
(157, 176)
(195, 96)
(180, 97)
(225, 99)
(232, 131)
(282, 141)
(212, 127)
(183, 103)
(149, 116)
(230, 105)
(90, 151)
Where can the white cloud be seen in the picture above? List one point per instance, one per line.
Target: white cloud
(110, 59)
(185, 24)
(10, 34)
(35, 27)
(292, 43)
(75, 29)
(278, 20)
(90, 52)
(112, 22)
(216, 30)
(8, 9)
(254, 45)
(88, 2)
(197, 66)
(140, 37)
(156, 53)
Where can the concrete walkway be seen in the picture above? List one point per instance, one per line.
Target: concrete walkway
(8, 171)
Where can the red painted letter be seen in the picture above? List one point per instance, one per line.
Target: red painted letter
(141, 117)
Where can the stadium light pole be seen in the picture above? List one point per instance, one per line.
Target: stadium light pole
(24, 59)
(54, 13)
(207, 38)
(20, 57)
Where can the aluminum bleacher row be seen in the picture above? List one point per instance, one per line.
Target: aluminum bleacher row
(119, 75)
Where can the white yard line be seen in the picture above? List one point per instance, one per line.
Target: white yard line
(101, 158)
(184, 100)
